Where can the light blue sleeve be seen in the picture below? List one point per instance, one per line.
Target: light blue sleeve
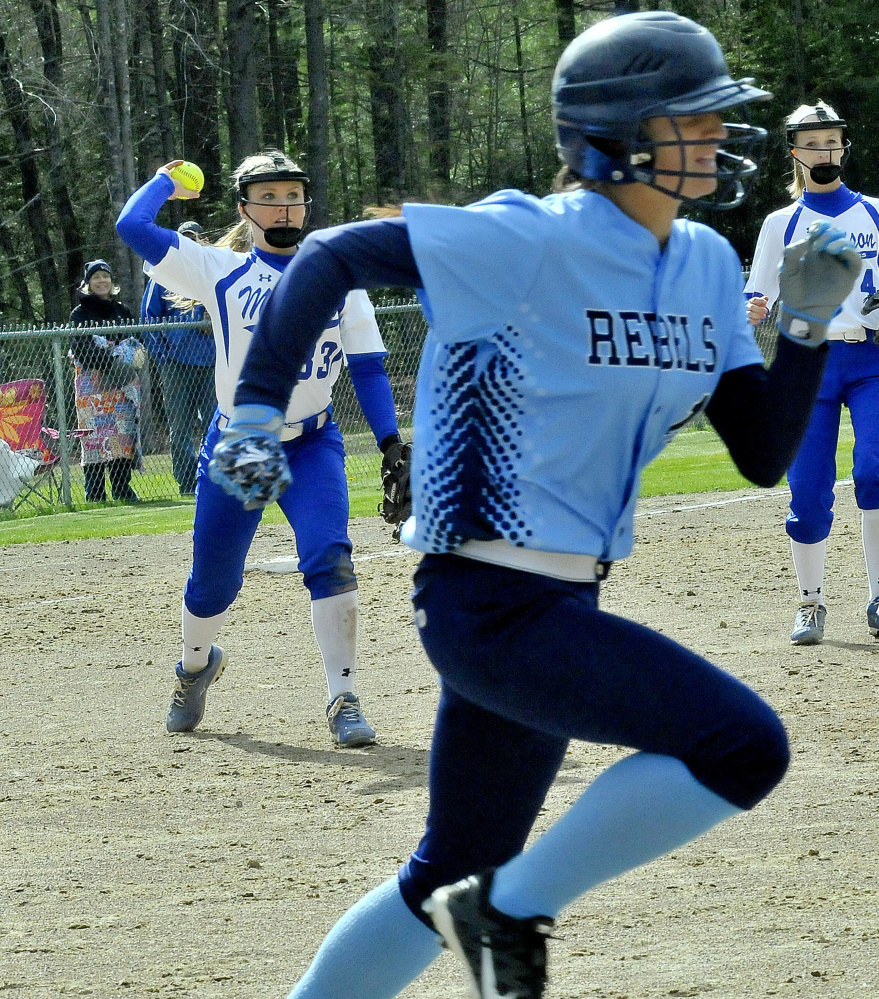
(477, 263)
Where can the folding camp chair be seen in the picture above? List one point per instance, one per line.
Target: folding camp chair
(22, 408)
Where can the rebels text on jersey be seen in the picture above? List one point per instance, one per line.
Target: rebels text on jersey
(234, 288)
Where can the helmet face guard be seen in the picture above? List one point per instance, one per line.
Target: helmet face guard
(821, 173)
(628, 69)
(278, 236)
(738, 163)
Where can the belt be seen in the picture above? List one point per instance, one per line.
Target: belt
(557, 565)
(859, 335)
(290, 431)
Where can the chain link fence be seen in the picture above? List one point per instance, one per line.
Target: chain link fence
(46, 428)
(52, 418)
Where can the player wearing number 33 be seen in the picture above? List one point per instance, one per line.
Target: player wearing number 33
(818, 147)
(570, 338)
(234, 278)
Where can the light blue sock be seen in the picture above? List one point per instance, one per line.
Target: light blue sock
(374, 951)
(637, 810)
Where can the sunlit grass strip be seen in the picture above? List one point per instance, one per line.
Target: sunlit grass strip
(695, 462)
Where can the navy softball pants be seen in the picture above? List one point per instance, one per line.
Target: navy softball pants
(851, 378)
(315, 504)
(528, 663)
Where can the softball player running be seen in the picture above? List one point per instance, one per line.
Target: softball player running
(234, 287)
(571, 338)
(818, 147)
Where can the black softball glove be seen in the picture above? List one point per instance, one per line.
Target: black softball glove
(396, 504)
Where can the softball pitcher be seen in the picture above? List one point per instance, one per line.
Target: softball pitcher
(570, 338)
(234, 284)
(818, 148)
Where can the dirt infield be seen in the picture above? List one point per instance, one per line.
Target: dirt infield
(211, 865)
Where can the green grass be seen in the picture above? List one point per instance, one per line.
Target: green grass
(695, 461)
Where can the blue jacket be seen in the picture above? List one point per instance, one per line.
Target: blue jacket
(186, 346)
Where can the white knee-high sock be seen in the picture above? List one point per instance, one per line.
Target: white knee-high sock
(870, 536)
(809, 566)
(640, 808)
(374, 951)
(334, 620)
(198, 637)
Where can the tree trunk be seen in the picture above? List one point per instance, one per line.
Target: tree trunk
(241, 40)
(274, 129)
(61, 154)
(318, 112)
(154, 23)
(195, 90)
(56, 304)
(389, 115)
(17, 268)
(348, 210)
(113, 145)
(439, 128)
(523, 109)
(134, 272)
(567, 27)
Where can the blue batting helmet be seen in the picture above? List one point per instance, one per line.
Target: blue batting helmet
(629, 68)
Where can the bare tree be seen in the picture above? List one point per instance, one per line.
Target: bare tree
(241, 40)
(118, 182)
(195, 88)
(60, 172)
(56, 304)
(389, 114)
(318, 111)
(438, 107)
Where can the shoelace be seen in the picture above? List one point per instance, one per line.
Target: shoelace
(350, 711)
(808, 616)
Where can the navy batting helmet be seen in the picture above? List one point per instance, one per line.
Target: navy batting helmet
(629, 68)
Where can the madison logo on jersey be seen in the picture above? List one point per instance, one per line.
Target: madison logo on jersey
(642, 339)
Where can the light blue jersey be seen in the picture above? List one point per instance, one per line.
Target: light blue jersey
(540, 399)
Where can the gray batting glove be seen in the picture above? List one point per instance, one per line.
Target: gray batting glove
(815, 276)
(248, 460)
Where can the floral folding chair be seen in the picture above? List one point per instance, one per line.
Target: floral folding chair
(29, 457)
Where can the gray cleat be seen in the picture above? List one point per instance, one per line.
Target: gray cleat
(191, 691)
(809, 625)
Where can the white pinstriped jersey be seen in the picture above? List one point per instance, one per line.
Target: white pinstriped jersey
(858, 216)
(234, 288)
(565, 350)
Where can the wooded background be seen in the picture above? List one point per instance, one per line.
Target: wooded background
(379, 100)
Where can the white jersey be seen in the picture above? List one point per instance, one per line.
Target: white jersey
(858, 216)
(234, 288)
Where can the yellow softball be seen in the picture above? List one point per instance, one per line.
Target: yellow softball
(189, 175)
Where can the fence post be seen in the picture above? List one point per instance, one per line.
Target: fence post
(61, 406)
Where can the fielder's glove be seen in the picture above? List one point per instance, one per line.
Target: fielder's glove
(396, 504)
(815, 276)
(871, 303)
(248, 461)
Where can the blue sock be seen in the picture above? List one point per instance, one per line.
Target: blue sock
(640, 808)
(374, 951)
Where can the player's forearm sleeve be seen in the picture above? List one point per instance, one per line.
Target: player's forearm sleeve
(137, 226)
(761, 415)
(373, 390)
(328, 265)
